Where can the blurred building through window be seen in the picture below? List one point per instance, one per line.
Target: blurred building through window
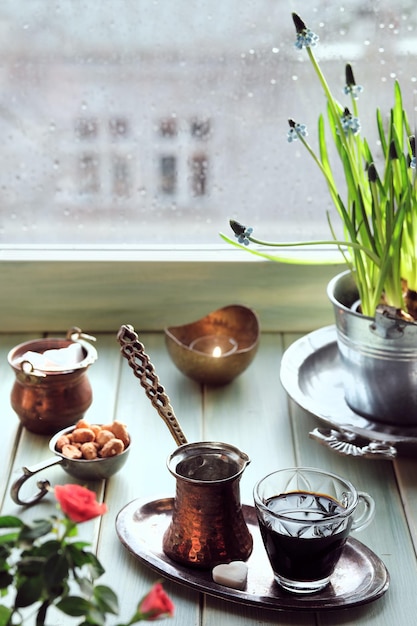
(155, 122)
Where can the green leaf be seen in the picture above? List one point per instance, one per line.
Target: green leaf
(6, 579)
(325, 162)
(74, 606)
(398, 113)
(77, 555)
(9, 538)
(39, 528)
(5, 552)
(30, 565)
(29, 591)
(86, 586)
(106, 599)
(96, 617)
(48, 548)
(9, 521)
(55, 571)
(5, 615)
(95, 567)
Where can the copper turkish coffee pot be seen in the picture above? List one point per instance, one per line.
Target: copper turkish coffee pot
(207, 526)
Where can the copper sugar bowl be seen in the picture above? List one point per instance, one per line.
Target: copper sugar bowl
(48, 400)
(207, 526)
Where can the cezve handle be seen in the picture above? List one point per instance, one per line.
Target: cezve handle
(133, 350)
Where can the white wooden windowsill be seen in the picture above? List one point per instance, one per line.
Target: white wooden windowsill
(99, 288)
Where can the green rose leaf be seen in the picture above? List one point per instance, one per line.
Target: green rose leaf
(5, 615)
(77, 555)
(30, 566)
(9, 538)
(48, 548)
(10, 521)
(95, 567)
(39, 528)
(4, 555)
(75, 606)
(6, 579)
(55, 571)
(106, 599)
(28, 592)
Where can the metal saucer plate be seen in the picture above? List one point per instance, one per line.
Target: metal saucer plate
(360, 577)
(311, 373)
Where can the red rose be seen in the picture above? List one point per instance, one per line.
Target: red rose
(156, 604)
(78, 503)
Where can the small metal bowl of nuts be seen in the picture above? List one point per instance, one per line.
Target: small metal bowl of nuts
(85, 451)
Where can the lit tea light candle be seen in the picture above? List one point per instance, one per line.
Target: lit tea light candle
(216, 348)
(214, 345)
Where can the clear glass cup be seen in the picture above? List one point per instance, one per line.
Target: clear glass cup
(305, 517)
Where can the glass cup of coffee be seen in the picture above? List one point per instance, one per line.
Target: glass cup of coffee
(305, 516)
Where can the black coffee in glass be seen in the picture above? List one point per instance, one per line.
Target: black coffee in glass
(305, 516)
(302, 546)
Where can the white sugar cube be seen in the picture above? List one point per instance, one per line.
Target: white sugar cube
(232, 574)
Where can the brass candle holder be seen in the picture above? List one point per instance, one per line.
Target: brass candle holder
(216, 348)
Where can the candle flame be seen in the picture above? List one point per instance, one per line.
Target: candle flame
(217, 351)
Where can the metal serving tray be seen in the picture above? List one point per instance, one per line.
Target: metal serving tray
(360, 575)
(311, 372)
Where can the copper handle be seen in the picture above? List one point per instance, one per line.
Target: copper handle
(134, 351)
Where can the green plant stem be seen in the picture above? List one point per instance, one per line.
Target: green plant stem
(327, 91)
(293, 244)
(41, 615)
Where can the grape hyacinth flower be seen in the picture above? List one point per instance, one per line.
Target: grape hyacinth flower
(351, 88)
(350, 124)
(305, 37)
(296, 130)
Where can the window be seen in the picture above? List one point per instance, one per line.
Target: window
(168, 127)
(121, 176)
(86, 128)
(199, 166)
(174, 120)
(88, 173)
(119, 127)
(200, 129)
(168, 164)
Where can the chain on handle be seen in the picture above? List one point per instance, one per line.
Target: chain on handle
(134, 351)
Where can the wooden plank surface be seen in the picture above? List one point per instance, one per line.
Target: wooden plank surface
(254, 414)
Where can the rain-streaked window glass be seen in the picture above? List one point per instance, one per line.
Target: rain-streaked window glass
(199, 166)
(144, 122)
(168, 174)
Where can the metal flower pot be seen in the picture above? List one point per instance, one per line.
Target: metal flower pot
(379, 357)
